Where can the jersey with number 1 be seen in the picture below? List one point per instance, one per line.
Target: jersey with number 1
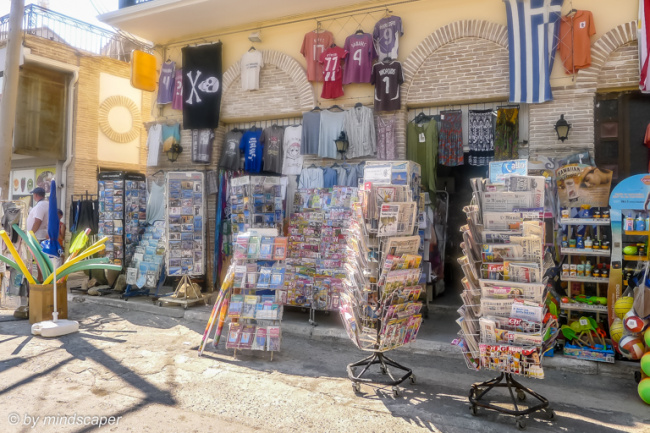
(386, 35)
(361, 52)
(332, 61)
(387, 78)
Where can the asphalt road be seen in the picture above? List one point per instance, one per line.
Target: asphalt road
(144, 372)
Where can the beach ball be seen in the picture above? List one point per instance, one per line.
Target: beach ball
(645, 364)
(631, 347)
(646, 337)
(644, 390)
(616, 330)
(634, 323)
(623, 305)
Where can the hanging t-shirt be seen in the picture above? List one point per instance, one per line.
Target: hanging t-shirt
(329, 177)
(332, 61)
(171, 134)
(292, 160)
(313, 45)
(177, 101)
(251, 64)
(154, 143)
(202, 145)
(387, 78)
(271, 139)
(166, 82)
(386, 35)
(422, 147)
(311, 178)
(360, 130)
(386, 137)
(331, 125)
(202, 87)
(252, 148)
(156, 203)
(575, 41)
(310, 133)
(361, 53)
(230, 153)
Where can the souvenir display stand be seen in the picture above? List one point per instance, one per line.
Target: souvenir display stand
(379, 305)
(122, 213)
(146, 272)
(504, 320)
(316, 247)
(185, 215)
(255, 307)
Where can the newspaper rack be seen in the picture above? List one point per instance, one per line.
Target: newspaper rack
(504, 320)
(379, 304)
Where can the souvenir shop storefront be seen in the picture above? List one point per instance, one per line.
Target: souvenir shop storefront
(306, 160)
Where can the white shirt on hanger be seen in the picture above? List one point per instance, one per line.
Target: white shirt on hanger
(154, 143)
(251, 64)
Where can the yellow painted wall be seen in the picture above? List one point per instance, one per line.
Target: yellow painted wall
(419, 18)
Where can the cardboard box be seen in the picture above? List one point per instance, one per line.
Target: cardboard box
(41, 302)
(599, 354)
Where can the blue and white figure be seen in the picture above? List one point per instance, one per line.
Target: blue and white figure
(533, 27)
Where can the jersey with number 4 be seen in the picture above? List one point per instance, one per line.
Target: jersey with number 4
(361, 52)
(332, 61)
(386, 34)
(387, 78)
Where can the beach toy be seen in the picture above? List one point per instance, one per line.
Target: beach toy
(623, 305)
(16, 256)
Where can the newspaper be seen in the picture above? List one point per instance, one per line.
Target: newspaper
(531, 247)
(502, 220)
(397, 219)
(506, 201)
(495, 289)
(534, 184)
(396, 246)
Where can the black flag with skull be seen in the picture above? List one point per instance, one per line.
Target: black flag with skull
(201, 86)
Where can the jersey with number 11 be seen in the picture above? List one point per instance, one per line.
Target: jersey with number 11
(332, 60)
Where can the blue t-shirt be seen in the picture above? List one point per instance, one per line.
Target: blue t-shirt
(329, 178)
(252, 147)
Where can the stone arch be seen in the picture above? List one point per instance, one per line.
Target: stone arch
(283, 83)
(602, 50)
(478, 42)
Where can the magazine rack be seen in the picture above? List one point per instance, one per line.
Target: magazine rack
(379, 300)
(505, 321)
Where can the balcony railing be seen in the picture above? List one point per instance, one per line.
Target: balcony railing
(126, 3)
(85, 37)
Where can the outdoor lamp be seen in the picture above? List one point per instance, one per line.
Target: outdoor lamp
(342, 143)
(562, 128)
(174, 151)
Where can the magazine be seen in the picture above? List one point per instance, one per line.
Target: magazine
(234, 334)
(260, 338)
(273, 338)
(236, 306)
(249, 307)
(247, 337)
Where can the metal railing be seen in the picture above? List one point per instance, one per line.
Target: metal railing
(93, 40)
(126, 3)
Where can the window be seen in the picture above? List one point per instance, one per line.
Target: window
(41, 113)
(621, 119)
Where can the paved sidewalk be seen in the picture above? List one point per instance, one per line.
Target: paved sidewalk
(434, 338)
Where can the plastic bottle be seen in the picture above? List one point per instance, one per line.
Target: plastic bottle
(629, 223)
(588, 269)
(639, 223)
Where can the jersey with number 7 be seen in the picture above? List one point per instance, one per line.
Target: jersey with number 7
(361, 53)
(387, 78)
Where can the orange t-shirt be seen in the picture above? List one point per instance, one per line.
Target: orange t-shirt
(575, 41)
(313, 46)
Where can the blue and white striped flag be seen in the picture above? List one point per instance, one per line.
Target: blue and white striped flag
(533, 26)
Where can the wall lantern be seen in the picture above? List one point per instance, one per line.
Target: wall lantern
(562, 128)
(342, 144)
(174, 151)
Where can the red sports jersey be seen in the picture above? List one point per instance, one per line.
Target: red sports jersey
(332, 60)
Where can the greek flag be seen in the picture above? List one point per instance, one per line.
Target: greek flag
(533, 26)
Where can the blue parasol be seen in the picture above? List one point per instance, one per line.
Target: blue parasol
(52, 247)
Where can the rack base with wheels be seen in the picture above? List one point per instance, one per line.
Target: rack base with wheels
(479, 391)
(384, 362)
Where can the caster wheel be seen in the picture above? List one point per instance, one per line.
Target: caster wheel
(412, 378)
(384, 370)
(521, 424)
(356, 388)
(521, 396)
(395, 391)
(184, 307)
(550, 413)
(160, 304)
(473, 410)
(637, 376)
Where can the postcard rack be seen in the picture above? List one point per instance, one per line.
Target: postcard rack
(379, 304)
(505, 321)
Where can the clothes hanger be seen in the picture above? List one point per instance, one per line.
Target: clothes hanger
(507, 107)
(359, 32)
(312, 165)
(420, 117)
(387, 60)
(316, 108)
(334, 165)
(252, 48)
(387, 13)
(358, 105)
(571, 12)
(333, 45)
(158, 172)
(334, 107)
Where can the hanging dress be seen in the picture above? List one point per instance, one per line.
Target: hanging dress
(481, 137)
(507, 134)
(450, 140)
